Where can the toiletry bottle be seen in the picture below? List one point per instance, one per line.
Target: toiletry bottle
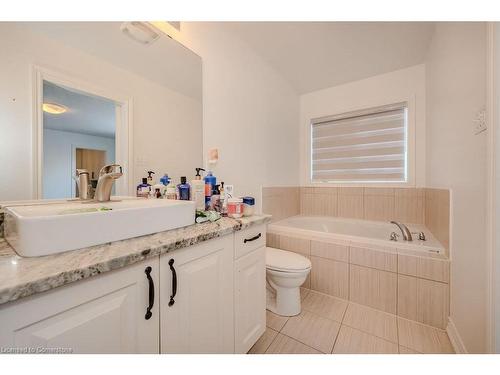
(215, 199)
(210, 182)
(229, 193)
(151, 182)
(158, 188)
(183, 190)
(150, 178)
(223, 200)
(198, 190)
(144, 189)
(171, 191)
(157, 193)
(165, 180)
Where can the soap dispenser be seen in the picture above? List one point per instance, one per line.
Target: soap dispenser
(150, 177)
(223, 200)
(198, 190)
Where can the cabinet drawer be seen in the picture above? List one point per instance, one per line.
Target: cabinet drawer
(249, 239)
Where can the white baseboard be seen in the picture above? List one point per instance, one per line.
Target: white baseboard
(456, 340)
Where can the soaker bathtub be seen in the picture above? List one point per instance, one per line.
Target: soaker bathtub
(367, 232)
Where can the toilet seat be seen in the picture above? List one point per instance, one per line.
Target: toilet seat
(286, 261)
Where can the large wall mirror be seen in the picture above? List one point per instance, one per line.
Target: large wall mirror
(80, 95)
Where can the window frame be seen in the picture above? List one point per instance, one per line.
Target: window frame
(410, 139)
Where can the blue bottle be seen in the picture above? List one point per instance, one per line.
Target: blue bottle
(184, 190)
(210, 181)
(165, 180)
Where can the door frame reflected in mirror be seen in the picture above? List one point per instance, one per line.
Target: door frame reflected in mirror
(123, 131)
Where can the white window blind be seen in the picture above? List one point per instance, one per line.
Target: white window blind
(362, 146)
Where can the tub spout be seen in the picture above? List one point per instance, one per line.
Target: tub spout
(404, 231)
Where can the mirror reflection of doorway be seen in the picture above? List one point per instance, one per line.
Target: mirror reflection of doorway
(78, 133)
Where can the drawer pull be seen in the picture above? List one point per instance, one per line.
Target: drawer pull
(149, 314)
(174, 282)
(253, 238)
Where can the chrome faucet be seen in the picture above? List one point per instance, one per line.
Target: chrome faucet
(82, 180)
(107, 175)
(404, 231)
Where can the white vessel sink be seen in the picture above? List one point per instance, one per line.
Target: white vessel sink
(43, 229)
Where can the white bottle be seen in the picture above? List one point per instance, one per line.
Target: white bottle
(171, 191)
(198, 190)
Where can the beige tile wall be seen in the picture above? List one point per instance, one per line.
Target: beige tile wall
(412, 287)
(405, 204)
(430, 207)
(437, 214)
(281, 202)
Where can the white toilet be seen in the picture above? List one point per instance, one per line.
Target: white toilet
(285, 273)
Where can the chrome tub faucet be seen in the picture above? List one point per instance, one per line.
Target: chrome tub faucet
(404, 231)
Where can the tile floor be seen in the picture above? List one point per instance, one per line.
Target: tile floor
(332, 325)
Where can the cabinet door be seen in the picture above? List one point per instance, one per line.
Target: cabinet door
(200, 320)
(103, 314)
(250, 299)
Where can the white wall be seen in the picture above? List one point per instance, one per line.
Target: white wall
(167, 125)
(58, 159)
(249, 111)
(494, 113)
(398, 86)
(456, 159)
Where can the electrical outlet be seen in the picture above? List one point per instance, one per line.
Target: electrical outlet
(480, 122)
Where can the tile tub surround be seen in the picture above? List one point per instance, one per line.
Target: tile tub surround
(427, 206)
(415, 287)
(22, 277)
(437, 214)
(332, 325)
(281, 202)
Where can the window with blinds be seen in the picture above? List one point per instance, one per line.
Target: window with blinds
(361, 147)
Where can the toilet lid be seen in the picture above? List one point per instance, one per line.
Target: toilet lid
(281, 260)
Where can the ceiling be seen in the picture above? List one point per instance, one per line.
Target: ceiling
(165, 61)
(316, 55)
(86, 114)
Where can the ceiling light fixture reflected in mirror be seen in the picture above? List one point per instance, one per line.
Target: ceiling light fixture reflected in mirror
(141, 32)
(53, 108)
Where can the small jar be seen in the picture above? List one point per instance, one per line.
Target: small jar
(235, 208)
(248, 206)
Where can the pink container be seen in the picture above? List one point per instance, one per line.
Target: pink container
(235, 207)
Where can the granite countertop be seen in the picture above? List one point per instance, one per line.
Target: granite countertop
(21, 277)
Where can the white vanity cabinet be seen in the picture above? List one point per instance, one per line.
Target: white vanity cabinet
(249, 287)
(102, 314)
(206, 298)
(196, 301)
